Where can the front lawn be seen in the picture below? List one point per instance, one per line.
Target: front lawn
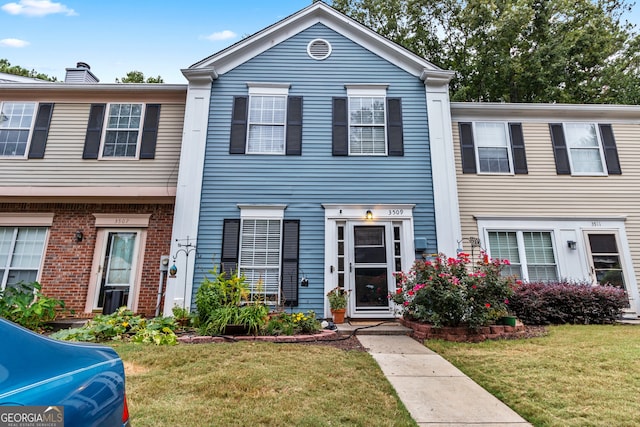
(575, 376)
(257, 384)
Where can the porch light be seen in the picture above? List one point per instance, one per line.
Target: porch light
(369, 214)
(79, 236)
(571, 244)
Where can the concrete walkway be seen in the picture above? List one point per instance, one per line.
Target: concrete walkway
(434, 391)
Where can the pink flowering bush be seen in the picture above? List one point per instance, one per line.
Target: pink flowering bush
(454, 291)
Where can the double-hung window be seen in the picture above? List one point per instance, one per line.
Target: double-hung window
(367, 120)
(267, 119)
(21, 250)
(16, 122)
(260, 250)
(584, 149)
(530, 253)
(492, 147)
(122, 130)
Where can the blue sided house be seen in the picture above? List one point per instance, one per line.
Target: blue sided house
(316, 154)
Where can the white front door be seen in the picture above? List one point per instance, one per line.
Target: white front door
(117, 269)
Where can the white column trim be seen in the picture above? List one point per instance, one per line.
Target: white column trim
(443, 168)
(187, 207)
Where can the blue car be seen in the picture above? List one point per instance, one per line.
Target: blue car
(58, 383)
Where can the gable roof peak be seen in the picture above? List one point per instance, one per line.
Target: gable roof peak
(318, 12)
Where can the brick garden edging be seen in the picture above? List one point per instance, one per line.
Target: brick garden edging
(320, 336)
(423, 331)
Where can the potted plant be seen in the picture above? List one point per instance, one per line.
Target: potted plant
(338, 298)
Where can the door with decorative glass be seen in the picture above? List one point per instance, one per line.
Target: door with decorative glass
(117, 270)
(372, 256)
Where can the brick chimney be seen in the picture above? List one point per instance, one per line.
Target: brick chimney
(80, 74)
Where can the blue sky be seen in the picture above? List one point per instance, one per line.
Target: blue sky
(156, 37)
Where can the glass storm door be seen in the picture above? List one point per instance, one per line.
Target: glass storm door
(606, 266)
(370, 268)
(117, 270)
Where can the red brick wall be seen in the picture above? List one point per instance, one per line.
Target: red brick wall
(66, 272)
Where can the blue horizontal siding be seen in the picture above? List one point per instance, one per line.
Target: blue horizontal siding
(305, 182)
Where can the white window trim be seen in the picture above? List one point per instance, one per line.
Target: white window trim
(264, 212)
(268, 89)
(143, 113)
(45, 244)
(33, 123)
(522, 253)
(509, 148)
(603, 163)
(356, 90)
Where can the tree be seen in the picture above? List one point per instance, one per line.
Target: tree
(6, 67)
(138, 77)
(517, 50)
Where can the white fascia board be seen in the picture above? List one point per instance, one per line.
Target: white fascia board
(187, 206)
(99, 87)
(318, 12)
(534, 112)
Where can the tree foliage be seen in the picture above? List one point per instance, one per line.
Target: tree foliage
(6, 67)
(138, 77)
(517, 50)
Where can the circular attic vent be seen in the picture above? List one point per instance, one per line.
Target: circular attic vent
(319, 49)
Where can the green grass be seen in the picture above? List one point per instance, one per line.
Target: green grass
(574, 376)
(257, 384)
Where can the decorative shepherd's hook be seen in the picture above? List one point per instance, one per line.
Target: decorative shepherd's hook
(187, 248)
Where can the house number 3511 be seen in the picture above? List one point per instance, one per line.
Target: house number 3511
(396, 212)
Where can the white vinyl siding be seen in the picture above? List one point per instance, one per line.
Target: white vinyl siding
(267, 115)
(122, 130)
(260, 243)
(585, 149)
(21, 251)
(16, 121)
(492, 147)
(367, 125)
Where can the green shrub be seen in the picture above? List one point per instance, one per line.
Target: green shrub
(122, 325)
(223, 301)
(25, 305)
(292, 323)
(454, 291)
(557, 303)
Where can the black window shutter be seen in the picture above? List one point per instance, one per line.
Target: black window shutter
(40, 131)
(394, 127)
(294, 126)
(94, 131)
(230, 242)
(610, 150)
(340, 129)
(467, 150)
(150, 131)
(239, 125)
(290, 250)
(559, 149)
(517, 149)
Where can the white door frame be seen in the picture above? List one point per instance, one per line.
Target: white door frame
(349, 215)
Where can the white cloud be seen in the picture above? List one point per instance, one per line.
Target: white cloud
(13, 43)
(37, 8)
(221, 35)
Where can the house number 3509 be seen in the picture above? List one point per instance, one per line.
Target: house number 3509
(395, 212)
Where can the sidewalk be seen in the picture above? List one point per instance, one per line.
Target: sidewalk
(434, 391)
